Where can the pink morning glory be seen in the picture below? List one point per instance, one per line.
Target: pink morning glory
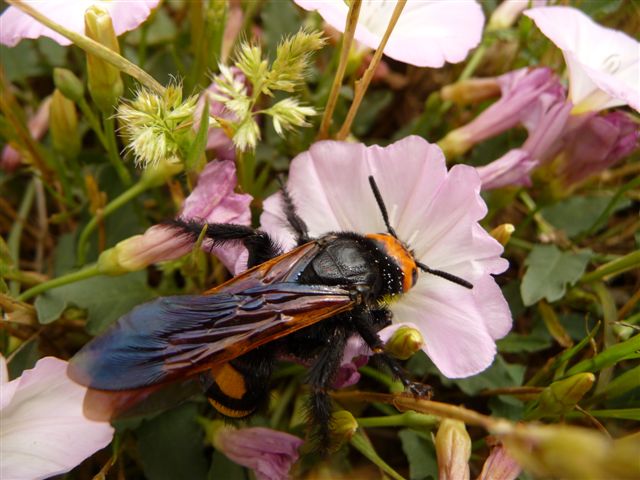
(428, 33)
(436, 212)
(269, 453)
(604, 64)
(16, 25)
(44, 431)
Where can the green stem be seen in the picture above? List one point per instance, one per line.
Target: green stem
(94, 123)
(111, 207)
(87, 272)
(347, 41)
(92, 47)
(610, 314)
(112, 150)
(616, 267)
(363, 84)
(13, 242)
(406, 419)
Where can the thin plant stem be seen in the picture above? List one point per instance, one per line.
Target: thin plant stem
(112, 150)
(13, 242)
(87, 272)
(363, 84)
(92, 47)
(135, 190)
(406, 419)
(94, 122)
(615, 267)
(347, 41)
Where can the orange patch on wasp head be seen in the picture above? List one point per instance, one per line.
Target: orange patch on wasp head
(394, 248)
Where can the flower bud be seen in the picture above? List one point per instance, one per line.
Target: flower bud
(404, 342)
(63, 122)
(70, 85)
(561, 451)
(105, 83)
(156, 174)
(502, 233)
(562, 396)
(157, 244)
(343, 427)
(469, 91)
(453, 449)
(499, 465)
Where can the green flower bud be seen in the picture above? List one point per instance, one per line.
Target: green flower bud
(469, 91)
(70, 85)
(453, 449)
(104, 80)
(562, 396)
(404, 342)
(63, 124)
(343, 427)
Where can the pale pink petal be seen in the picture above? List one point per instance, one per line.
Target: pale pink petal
(428, 33)
(16, 25)
(604, 64)
(434, 211)
(214, 201)
(512, 169)
(7, 388)
(44, 432)
(499, 466)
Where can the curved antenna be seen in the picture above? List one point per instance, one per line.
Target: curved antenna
(383, 209)
(447, 276)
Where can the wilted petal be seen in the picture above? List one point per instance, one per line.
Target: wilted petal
(547, 124)
(44, 432)
(597, 143)
(512, 169)
(521, 91)
(604, 64)
(428, 33)
(16, 25)
(269, 453)
(435, 212)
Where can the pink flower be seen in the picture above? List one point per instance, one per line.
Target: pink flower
(521, 91)
(499, 465)
(604, 64)
(269, 453)
(436, 212)
(512, 169)
(44, 432)
(594, 143)
(212, 201)
(38, 126)
(16, 25)
(427, 34)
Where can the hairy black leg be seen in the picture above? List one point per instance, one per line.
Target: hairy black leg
(365, 323)
(320, 378)
(260, 245)
(298, 225)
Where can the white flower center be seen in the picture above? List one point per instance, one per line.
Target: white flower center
(612, 63)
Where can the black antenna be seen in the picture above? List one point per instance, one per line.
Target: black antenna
(445, 275)
(383, 209)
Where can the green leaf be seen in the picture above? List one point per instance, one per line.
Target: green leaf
(500, 374)
(608, 357)
(550, 271)
(222, 467)
(516, 343)
(360, 442)
(171, 445)
(104, 298)
(576, 214)
(421, 454)
(196, 152)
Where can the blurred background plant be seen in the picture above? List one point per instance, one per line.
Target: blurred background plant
(107, 137)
